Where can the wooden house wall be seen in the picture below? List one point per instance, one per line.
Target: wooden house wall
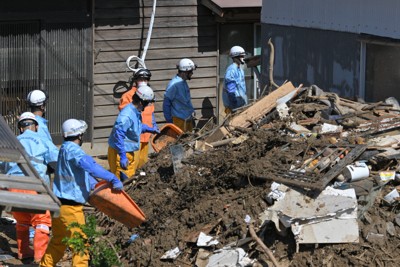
(182, 28)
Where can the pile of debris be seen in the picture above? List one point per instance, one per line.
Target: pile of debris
(301, 177)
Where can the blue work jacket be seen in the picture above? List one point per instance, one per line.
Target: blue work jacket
(43, 129)
(71, 181)
(234, 91)
(125, 135)
(177, 100)
(41, 152)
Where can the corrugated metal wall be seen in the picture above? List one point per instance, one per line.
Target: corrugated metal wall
(67, 73)
(379, 18)
(47, 45)
(19, 67)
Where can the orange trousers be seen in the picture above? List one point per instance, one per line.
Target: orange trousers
(42, 225)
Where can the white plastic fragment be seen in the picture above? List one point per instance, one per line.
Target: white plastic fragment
(391, 197)
(330, 128)
(229, 257)
(277, 192)
(247, 219)
(171, 254)
(206, 240)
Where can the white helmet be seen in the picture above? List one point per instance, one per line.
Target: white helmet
(237, 51)
(145, 93)
(27, 116)
(186, 64)
(36, 98)
(73, 127)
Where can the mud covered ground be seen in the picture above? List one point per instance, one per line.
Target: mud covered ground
(215, 190)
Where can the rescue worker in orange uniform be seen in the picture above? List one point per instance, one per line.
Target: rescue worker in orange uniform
(42, 152)
(141, 77)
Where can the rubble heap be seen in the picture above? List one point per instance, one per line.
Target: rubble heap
(302, 177)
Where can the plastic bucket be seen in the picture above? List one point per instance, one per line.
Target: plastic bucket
(117, 205)
(356, 172)
(169, 133)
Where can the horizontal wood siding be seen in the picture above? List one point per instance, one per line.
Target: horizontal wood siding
(182, 28)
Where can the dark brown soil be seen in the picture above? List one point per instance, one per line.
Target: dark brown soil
(213, 193)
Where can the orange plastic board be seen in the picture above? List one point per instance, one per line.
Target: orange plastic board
(117, 205)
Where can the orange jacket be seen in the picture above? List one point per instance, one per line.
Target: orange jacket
(147, 114)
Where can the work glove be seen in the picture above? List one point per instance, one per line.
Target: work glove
(124, 162)
(155, 127)
(117, 184)
(148, 129)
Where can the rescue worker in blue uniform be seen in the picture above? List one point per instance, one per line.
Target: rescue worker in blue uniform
(177, 105)
(37, 100)
(37, 103)
(72, 184)
(234, 91)
(124, 139)
(42, 153)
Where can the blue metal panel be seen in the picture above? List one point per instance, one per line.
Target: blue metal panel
(379, 18)
(310, 56)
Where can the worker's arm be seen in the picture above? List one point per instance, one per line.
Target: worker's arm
(148, 129)
(119, 136)
(90, 165)
(231, 88)
(51, 157)
(153, 121)
(126, 98)
(167, 106)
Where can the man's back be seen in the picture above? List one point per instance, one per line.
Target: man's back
(41, 152)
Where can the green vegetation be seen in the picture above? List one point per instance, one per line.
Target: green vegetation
(102, 252)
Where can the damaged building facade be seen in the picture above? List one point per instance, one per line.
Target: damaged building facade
(347, 47)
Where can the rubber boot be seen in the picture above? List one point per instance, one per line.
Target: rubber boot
(40, 242)
(24, 251)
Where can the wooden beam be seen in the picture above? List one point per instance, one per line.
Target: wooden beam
(261, 107)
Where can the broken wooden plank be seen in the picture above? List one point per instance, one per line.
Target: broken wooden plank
(262, 106)
(217, 135)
